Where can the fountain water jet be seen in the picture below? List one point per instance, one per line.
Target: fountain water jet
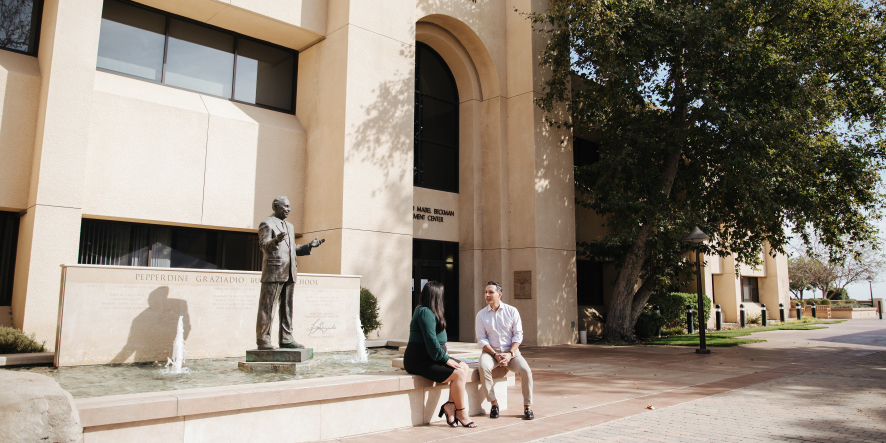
(362, 356)
(174, 364)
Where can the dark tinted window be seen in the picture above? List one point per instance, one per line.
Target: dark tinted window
(590, 283)
(8, 244)
(434, 77)
(200, 59)
(134, 244)
(584, 152)
(264, 74)
(153, 45)
(750, 290)
(20, 25)
(435, 250)
(132, 41)
(436, 123)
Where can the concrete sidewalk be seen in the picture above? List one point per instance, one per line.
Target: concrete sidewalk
(838, 403)
(578, 387)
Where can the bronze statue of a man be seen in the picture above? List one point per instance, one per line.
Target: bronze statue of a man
(278, 273)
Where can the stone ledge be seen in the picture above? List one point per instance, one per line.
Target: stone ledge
(37, 358)
(117, 409)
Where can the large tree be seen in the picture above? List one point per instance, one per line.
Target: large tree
(736, 116)
(818, 268)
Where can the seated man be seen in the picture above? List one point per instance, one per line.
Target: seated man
(499, 333)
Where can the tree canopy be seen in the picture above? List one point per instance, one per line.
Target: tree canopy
(739, 117)
(812, 266)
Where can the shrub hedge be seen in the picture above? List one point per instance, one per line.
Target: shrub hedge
(13, 341)
(673, 307)
(648, 324)
(368, 311)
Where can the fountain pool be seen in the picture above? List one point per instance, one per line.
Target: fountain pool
(103, 380)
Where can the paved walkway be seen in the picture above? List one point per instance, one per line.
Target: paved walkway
(839, 403)
(771, 391)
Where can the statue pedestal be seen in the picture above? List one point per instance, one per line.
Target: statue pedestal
(285, 360)
(280, 355)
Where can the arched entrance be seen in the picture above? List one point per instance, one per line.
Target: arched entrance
(436, 167)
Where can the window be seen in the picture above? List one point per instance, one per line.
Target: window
(20, 25)
(8, 244)
(750, 291)
(133, 244)
(159, 47)
(436, 123)
(590, 283)
(585, 152)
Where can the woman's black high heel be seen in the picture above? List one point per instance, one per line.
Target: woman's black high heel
(443, 411)
(468, 425)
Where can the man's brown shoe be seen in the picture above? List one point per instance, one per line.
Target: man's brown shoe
(292, 345)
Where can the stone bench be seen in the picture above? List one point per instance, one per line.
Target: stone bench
(457, 350)
(295, 410)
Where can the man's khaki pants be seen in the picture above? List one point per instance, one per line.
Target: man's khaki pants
(489, 368)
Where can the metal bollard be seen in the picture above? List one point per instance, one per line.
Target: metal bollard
(689, 320)
(763, 314)
(658, 311)
(799, 311)
(814, 315)
(880, 303)
(741, 315)
(719, 319)
(781, 312)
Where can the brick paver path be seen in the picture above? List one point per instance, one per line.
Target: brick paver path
(844, 402)
(800, 385)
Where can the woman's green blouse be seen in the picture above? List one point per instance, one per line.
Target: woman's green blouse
(423, 329)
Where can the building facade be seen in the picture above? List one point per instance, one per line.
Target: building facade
(404, 132)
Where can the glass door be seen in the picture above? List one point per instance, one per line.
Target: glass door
(437, 261)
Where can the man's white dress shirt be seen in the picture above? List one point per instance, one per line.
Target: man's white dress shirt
(499, 328)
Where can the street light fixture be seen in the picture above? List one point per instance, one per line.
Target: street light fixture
(870, 280)
(698, 237)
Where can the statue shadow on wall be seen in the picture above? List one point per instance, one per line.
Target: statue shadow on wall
(153, 330)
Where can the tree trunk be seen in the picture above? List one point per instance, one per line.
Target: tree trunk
(619, 324)
(620, 318)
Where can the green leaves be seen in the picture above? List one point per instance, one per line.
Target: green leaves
(774, 108)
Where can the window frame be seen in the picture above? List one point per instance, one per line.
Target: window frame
(417, 118)
(580, 145)
(38, 24)
(586, 294)
(237, 36)
(6, 286)
(753, 289)
(84, 256)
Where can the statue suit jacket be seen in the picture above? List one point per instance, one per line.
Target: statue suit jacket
(278, 260)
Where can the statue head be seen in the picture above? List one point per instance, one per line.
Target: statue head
(281, 207)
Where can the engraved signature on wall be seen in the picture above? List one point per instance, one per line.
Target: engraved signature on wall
(319, 326)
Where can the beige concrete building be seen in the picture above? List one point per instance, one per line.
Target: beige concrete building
(157, 133)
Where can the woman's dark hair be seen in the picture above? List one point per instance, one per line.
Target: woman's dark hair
(432, 298)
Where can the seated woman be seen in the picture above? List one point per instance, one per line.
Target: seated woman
(426, 354)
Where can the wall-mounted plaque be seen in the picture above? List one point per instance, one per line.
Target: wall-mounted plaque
(523, 284)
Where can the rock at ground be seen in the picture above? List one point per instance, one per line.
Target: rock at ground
(34, 408)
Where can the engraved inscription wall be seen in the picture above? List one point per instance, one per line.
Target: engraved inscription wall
(129, 314)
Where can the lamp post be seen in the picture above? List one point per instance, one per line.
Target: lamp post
(698, 237)
(870, 280)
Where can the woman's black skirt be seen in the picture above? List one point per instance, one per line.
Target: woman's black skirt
(417, 361)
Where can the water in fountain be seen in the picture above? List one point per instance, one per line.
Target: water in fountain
(362, 356)
(174, 364)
